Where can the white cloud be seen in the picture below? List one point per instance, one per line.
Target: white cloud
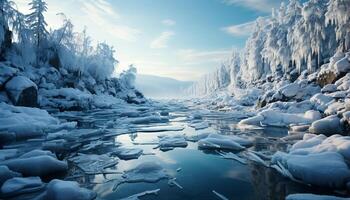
(100, 12)
(260, 5)
(196, 57)
(162, 41)
(240, 29)
(168, 22)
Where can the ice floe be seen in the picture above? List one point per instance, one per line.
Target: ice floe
(216, 141)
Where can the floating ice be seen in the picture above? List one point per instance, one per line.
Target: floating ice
(320, 169)
(328, 126)
(128, 153)
(171, 142)
(161, 129)
(232, 156)
(200, 125)
(19, 185)
(67, 190)
(150, 172)
(93, 163)
(136, 196)
(216, 141)
(222, 197)
(7, 153)
(6, 173)
(36, 166)
(313, 197)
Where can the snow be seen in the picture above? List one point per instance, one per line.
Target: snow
(216, 141)
(328, 125)
(19, 185)
(313, 197)
(36, 166)
(326, 169)
(67, 190)
(171, 142)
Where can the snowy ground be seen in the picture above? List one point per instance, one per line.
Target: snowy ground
(163, 150)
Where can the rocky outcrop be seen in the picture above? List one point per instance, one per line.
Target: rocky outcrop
(22, 91)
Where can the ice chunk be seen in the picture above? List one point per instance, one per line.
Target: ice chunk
(36, 153)
(25, 122)
(6, 173)
(328, 126)
(313, 197)
(318, 144)
(149, 172)
(222, 197)
(170, 142)
(19, 185)
(128, 153)
(320, 169)
(216, 141)
(200, 125)
(67, 190)
(93, 163)
(36, 166)
(161, 129)
(329, 88)
(197, 137)
(136, 196)
(342, 65)
(7, 153)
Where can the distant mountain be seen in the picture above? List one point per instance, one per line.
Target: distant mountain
(158, 87)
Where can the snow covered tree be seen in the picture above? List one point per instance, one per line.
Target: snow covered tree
(339, 15)
(37, 24)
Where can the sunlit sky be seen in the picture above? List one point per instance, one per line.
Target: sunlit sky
(182, 39)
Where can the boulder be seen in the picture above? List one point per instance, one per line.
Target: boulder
(22, 91)
(327, 77)
(328, 126)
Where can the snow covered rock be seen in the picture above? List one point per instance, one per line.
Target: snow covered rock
(319, 143)
(36, 166)
(6, 173)
(321, 101)
(216, 141)
(22, 91)
(326, 169)
(327, 126)
(342, 65)
(275, 117)
(67, 190)
(313, 197)
(19, 185)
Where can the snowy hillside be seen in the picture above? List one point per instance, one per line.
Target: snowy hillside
(297, 38)
(157, 87)
(59, 69)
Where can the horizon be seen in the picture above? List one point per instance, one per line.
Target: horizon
(167, 38)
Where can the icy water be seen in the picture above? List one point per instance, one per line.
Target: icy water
(198, 172)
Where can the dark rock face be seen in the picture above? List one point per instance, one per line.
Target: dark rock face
(326, 78)
(22, 91)
(28, 97)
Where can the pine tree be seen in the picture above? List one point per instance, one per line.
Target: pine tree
(37, 25)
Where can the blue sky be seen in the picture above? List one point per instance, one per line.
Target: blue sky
(182, 39)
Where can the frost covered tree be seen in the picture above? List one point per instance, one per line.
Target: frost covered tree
(37, 24)
(7, 16)
(338, 14)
